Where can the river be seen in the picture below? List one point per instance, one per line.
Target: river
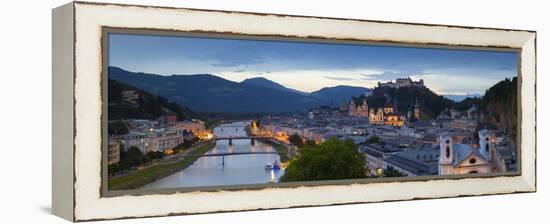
(237, 169)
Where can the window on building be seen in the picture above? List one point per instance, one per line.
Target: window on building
(448, 152)
(472, 160)
(473, 171)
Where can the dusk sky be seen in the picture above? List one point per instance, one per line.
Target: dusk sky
(310, 66)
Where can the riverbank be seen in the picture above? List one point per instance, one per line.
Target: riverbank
(282, 149)
(150, 174)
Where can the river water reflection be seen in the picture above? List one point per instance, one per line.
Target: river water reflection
(237, 169)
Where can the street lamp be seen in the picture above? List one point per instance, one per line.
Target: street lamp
(379, 171)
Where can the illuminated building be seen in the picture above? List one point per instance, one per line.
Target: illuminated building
(457, 158)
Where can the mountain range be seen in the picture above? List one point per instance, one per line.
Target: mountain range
(261, 81)
(334, 95)
(210, 93)
(458, 98)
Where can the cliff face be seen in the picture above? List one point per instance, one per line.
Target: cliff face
(500, 106)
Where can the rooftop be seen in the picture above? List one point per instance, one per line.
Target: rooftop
(462, 151)
(383, 148)
(373, 153)
(412, 166)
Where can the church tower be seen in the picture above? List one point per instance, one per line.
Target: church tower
(365, 108)
(487, 143)
(351, 108)
(416, 110)
(395, 104)
(343, 106)
(445, 154)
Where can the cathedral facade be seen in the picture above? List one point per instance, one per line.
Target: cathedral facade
(386, 115)
(358, 107)
(458, 158)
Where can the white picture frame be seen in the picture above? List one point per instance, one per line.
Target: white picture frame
(77, 191)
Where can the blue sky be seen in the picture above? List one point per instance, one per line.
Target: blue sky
(312, 66)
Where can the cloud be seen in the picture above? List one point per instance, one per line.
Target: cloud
(337, 78)
(459, 85)
(309, 67)
(238, 60)
(390, 75)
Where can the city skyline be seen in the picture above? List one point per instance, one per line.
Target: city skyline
(203, 130)
(445, 71)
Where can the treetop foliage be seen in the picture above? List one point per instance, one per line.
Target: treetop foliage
(331, 160)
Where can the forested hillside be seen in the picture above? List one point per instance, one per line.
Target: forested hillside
(500, 104)
(128, 102)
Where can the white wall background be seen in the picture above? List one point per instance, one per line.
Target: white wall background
(25, 112)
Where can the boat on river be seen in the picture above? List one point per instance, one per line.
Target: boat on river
(273, 166)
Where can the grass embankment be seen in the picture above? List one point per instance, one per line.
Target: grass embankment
(281, 149)
(283, 152)
(213, 123)
(147, 175)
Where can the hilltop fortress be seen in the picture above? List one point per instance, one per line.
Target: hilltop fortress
(388, 114)
(402, 82)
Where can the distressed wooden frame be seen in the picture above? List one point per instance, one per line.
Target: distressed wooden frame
(77, 191)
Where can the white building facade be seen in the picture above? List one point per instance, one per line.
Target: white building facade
(458, 158)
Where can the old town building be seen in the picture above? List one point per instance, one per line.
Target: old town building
(460, 158)
(113, 152)
(358, 107)
(386, 115)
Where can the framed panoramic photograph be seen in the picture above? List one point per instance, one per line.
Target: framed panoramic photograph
(162, 111)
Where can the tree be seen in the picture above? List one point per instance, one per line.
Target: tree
(124, 164)
(146, 106)
(112, 169)
(310, 143)
(499, 104)
(185, 145)
(431, 104)
(331, 160)
(134, 156)
(466, 103)
(154, 155)
(117, 128)
(296, 140)
(392, 172)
